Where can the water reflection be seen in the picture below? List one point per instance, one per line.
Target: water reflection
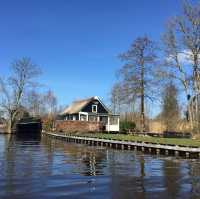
(54, 169)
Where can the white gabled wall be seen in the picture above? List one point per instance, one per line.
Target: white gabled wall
(112, 127)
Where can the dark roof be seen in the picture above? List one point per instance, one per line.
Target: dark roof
(77, 106)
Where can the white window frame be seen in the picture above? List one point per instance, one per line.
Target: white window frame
(83, 113)
(93, 109)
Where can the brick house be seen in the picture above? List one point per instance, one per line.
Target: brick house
(91, 111)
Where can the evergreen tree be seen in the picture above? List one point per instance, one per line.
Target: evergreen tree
(170, 108)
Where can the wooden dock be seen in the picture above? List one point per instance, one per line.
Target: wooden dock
(152, 148)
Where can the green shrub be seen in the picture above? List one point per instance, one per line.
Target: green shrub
(127, 125)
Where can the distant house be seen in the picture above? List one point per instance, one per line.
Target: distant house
(92, 110)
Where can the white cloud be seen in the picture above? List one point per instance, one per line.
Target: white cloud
(184, 57)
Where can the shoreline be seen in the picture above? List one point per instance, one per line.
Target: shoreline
(146, 147)
(2, 131)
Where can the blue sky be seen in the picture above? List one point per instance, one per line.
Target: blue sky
(76, 42)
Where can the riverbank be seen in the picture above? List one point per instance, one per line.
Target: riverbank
(3, 131)
(133, 138)
(152, 148)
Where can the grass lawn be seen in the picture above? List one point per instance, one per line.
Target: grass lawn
(157, 140)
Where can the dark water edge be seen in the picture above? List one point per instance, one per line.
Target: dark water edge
(49, 168)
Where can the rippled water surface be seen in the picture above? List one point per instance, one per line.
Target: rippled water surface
(55, 169)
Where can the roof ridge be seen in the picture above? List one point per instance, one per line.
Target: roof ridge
(77, 105)
(83, 100)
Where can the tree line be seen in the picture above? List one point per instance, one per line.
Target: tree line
(153, 73)
(167, 71)
(20, 96)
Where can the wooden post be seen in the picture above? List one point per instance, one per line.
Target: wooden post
(187, 154)
(176, 153)
(149, 150)
(157, 151)
(135, 148)
(87, 118)
(142, 149)
(108, 124)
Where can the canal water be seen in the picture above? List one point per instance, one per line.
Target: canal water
(49, 168)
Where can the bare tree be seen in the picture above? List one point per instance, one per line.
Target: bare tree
(51, 103)
(35, 103)
(182, 49)
(116, 98)
(13, 89)
(51, 110)
(138, 77)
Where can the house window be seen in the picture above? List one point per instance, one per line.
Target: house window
(103, 119)
(83, 117)
(94, 108)
(92, 118)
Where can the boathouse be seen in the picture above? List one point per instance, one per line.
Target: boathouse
(91, 111)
